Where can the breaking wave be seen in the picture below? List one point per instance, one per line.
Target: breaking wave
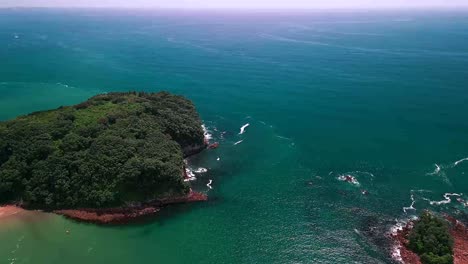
(209, 184)
(206, 133)
(411, 207)
(201, 170)
(447, 199)
(242, 129)
(190, 175)
(349, 178)
(459, 161)
(436, 170)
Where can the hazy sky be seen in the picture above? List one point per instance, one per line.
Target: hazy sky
(237, 3)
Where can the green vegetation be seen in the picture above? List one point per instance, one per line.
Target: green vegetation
(431, 240)
(112, 149)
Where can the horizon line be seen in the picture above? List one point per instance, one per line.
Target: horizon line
(214, 8)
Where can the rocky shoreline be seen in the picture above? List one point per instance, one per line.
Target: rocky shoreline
(194, 149)
(405, 255)
(9, 210)
(117, 215)
(121, 215)
(458, 231)
(124, 214)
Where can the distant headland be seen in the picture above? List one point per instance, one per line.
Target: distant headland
(112, 158)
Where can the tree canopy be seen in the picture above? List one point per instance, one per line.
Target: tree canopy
(109, 150)
(431, 240)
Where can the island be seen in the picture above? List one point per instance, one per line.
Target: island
(433, 239)
(112, 158)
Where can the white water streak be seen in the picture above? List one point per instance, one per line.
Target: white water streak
(411, 207)
(242, 129)
(238, 142)
(459, 161)
(209, 184)
(447, 199)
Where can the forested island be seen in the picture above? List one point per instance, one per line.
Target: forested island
(115, 150)
(432, 239)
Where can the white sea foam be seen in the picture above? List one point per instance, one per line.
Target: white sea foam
(459, 161)
(190, 174)
(242, 129)
(206, 133)
(201, 170)
(397, 227)
(209, 184)
(349, 178)
(463, 202)
(238, 142)
(411, 207)
(439, 171)
(436, 170)
(447, 199)
(396, 253)
(396, 249)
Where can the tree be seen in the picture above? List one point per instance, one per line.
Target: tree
(431, 240)
(112, 149)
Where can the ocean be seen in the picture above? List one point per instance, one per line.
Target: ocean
(380, 97)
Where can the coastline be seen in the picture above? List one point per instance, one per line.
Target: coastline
(9, 210)
(405, 255)
(122, 215)
(458, 231)
(115, 215)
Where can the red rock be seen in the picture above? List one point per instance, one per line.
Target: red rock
(214, 145)
(401, 237)
(9, 210)
(127, 214)
(458, 231)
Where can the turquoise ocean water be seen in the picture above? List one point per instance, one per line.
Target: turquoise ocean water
(381, 96)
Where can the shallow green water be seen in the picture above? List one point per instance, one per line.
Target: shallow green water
(382, 97)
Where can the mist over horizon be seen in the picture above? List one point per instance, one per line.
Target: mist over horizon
(240, 4)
